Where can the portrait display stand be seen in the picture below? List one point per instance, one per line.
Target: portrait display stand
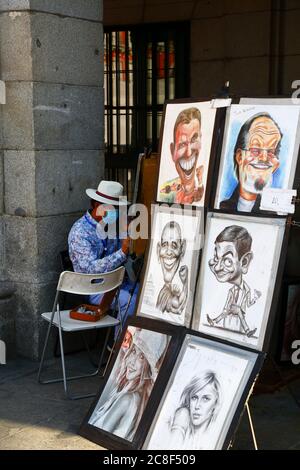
(210, 283)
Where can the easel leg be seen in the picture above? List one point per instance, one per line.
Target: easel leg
(251, 427)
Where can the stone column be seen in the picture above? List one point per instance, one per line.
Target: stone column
(51, 149)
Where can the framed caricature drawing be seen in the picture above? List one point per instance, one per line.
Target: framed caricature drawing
(121, 414)
(239, 268)
(170, 275)
(186, 145)
(205, 396)
(260, 150)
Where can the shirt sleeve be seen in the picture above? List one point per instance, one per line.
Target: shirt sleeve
(85, 259)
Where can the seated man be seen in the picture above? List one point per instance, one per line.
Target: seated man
(95, 246)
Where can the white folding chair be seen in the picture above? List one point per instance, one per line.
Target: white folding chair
(82, 284)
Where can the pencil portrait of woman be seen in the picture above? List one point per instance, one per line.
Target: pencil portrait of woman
(197, 410)
(120, 410)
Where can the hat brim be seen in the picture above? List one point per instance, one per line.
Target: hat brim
(91, 193)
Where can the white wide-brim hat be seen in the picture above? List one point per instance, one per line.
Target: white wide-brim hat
(108, 192)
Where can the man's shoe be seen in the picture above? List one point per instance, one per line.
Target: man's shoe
(210, 320)
(251, 332)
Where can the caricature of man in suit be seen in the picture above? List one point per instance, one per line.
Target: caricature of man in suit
(230, 263)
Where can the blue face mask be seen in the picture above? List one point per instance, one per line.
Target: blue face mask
(110, 217)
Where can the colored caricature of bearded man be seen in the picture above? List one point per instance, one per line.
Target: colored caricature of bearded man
(256, 159)
(185, 150)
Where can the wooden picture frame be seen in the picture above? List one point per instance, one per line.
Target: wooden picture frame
(129, 393)
(205, 396)
(171, 262)
(242, 264)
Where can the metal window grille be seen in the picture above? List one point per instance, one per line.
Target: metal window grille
(143, 67)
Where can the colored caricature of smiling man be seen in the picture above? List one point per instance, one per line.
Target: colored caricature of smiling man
(256, 159)
(185, 150)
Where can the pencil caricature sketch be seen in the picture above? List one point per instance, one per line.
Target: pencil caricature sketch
(167, 292)
(170, 251)
(239, 265)
(230, 263)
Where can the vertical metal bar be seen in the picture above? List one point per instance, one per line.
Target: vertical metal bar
(118, 90)
(47, 336)
(127, 88)
(154, 91)
(110, 94)
(62, 353)
(167, 67)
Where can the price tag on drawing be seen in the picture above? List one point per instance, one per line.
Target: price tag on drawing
(278, 200)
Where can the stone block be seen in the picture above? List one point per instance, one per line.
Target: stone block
(2, 248)
(62, 178)
(7, 318)
(247, 35)
(168, 12)
(127, 3)
(207, 78)
(8, 335)
(18, 117)
(291, 28)
(20, 182)
(52, 238)
(1, 181)
(249, 76)
(28, 339)
(66, 50)
(85, 9)
(290, 71)
(32, 247)
(207, 39)
(291, 5)
(53, 182)
(21, 249)
(15, 46)
(67, 117)
(208, 8)
(123, 15)
(246, 6)
(31, 300)
(14, 5)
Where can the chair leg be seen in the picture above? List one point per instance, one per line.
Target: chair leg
(102, 354)
(65, 379)
(47, 339)
(86, 344)
(120, 328)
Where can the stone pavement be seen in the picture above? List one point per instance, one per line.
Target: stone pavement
(34, 416)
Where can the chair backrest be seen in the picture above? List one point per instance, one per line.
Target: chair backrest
(86, 284)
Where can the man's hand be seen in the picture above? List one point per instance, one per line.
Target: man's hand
(125, 245)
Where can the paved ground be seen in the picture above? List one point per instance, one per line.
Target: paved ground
(34, 416)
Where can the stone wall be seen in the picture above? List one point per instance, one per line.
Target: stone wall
(51, 149)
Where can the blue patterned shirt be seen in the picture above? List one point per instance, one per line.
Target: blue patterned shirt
(91, 253)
